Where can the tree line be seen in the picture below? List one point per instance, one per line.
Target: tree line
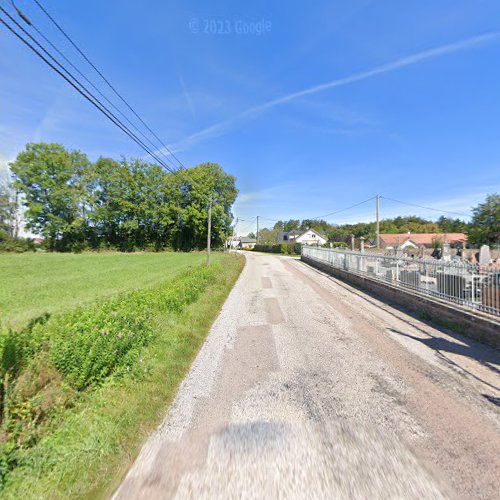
(484, 227)
(124, 204)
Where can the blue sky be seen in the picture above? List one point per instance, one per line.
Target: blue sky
(334, 102)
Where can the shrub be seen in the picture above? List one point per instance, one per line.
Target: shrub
(17, 245)
(90, 344)
(44, 366)
(283, 248)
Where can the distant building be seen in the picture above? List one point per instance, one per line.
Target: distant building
(307, 237)
(418, 240)
(242, 242)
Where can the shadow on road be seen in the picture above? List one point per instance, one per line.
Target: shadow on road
(488, 358)
(486, 355)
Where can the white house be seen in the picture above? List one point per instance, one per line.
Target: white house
(307, 237)
(242, 242)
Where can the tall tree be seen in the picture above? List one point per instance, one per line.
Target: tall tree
(7, 211)
(50, 179)
(192, 190)
(485, 224)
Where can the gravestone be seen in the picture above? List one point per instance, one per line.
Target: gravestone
(484, 255)
(446, 255)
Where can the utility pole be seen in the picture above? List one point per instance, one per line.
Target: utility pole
(235, 233)
(257, 235)
(378, 221)
(209, 230)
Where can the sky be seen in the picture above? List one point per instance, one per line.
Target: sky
(312, 106)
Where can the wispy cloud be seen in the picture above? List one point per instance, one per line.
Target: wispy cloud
(222, 127)
(186, 95)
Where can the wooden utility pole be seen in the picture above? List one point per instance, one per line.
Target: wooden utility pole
(209, 235)
(257, 235)
(378, 221)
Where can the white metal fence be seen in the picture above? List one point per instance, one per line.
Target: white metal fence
(470, 286)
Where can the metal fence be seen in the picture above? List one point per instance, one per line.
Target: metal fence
(466, 285)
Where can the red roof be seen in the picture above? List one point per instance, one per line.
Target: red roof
(423, 238)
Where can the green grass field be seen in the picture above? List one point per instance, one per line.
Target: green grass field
(32, 284)
(61, 439)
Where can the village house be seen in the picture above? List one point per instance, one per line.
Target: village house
(243, 243)
(420, 240)
(307, 237)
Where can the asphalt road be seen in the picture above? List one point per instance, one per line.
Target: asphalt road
(308, 388)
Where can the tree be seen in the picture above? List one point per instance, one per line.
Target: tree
(251, 236)
(318, 225)
(49, 177)
(291, 225)
(7, 211)
(192, 191)
(268, 236)
(485, 224)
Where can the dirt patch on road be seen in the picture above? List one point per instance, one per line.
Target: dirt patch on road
(274, 312)
(266, 282)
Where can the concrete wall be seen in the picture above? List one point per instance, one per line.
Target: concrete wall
(472, 325)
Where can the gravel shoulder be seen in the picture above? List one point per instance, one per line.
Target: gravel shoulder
(309, 388)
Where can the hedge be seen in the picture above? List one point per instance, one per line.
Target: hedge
(283, 248)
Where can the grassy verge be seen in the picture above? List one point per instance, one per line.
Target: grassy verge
(86, 449)
(34, 284)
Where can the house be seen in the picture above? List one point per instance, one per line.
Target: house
(307, 237)
(419, 240)
(242, 242)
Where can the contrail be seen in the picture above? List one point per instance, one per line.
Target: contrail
(219, 128)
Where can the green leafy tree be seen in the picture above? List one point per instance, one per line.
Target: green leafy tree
(7, 211)
(485, 224)
(49, 178)
(291, 225)
(192, 191)
(268, 236)
(449, 225)
(318, 225)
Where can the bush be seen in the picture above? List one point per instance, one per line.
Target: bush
(283, 248)
(268, 248)
(46, 365)
(17, 245)
(88, 345)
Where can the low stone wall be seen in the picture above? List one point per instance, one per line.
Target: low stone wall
(473, 325)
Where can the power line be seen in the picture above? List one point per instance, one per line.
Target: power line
(106, 80)
(85, 92)
(426, 208)
(344, 209)
(30, 23)
(247, 227)
(272, 220)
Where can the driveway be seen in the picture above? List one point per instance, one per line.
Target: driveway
(309, 388)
